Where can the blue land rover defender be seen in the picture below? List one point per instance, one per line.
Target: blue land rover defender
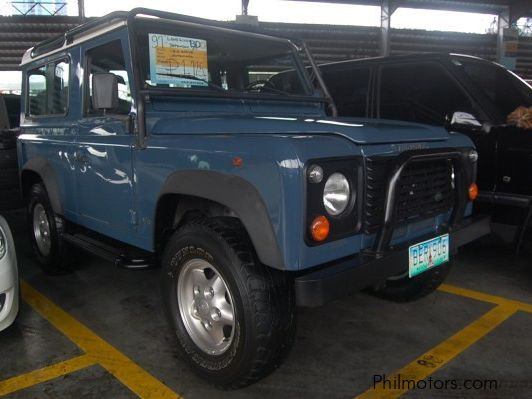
(153, 138)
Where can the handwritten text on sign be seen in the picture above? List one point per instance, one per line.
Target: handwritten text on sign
(180, 61)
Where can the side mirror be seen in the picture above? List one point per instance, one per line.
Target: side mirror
(104, 91)
(464, 119)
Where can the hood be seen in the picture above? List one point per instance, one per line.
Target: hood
(360, 131)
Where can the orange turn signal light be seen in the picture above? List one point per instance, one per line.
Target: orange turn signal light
(473, 191)
(237, 162)
(319, 229)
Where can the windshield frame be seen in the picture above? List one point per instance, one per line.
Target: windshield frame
(146, 89)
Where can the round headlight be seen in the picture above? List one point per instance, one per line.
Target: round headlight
(3, 244)
(336, 194)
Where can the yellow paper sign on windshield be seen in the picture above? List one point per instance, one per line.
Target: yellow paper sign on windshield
(179, 61)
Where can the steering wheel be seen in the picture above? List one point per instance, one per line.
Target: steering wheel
(258, 84)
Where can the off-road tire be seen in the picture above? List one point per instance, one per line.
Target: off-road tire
(60, 259)
(263, 299)
(408, 289)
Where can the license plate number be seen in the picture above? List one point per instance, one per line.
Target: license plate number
(428, 254)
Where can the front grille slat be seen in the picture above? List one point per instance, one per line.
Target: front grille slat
(425, 189)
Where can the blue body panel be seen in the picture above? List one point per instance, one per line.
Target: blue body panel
(52, 137)
(104, 180)
(115, 189)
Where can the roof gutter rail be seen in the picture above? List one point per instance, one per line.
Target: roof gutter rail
(57, 42)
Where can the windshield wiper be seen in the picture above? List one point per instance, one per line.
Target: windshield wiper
(192, 77)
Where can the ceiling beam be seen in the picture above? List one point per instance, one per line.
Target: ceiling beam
(521, 7)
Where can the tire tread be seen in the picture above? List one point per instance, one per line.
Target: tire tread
(270, 296)
(277, 330)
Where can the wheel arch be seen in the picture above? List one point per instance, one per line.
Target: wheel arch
(40, 170)
(218, 194)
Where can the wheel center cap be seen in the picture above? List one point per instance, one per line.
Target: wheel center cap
(203, 308)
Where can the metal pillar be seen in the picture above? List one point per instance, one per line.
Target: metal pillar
(245, 4)
(504, 22)
(386, 15)
(81, 9)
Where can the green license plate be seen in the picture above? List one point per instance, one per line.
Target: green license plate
(428, 254)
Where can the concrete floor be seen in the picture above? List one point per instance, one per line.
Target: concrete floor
(339, 347)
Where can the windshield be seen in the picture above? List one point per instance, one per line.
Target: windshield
(503, 88)
(190, 57)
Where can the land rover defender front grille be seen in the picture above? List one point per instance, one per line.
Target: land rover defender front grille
(425, 189)
(377, 175)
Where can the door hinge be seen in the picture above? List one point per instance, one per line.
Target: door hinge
(133, 217)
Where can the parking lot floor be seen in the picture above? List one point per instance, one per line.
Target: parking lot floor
(100, 332)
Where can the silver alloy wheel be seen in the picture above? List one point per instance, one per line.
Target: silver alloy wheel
(206, 306)
(41, 230)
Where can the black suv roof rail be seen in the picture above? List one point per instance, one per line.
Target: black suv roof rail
(405, 57)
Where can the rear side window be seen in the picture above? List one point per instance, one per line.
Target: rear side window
(47, 90)
(422, 93)
(349, 89)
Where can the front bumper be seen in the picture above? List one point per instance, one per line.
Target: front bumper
(349, 275)
(9, 286)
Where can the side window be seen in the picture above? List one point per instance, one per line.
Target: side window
(37, 91)
(48, 89)
(349, 89)
(108, 58)
(59, 94)
(500, 86)
(422, 93)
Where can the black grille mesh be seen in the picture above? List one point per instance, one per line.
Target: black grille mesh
(425, 189)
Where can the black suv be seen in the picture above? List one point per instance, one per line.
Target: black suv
(9, 180)
(466, 94)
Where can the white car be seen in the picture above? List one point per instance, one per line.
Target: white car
(9, 286)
